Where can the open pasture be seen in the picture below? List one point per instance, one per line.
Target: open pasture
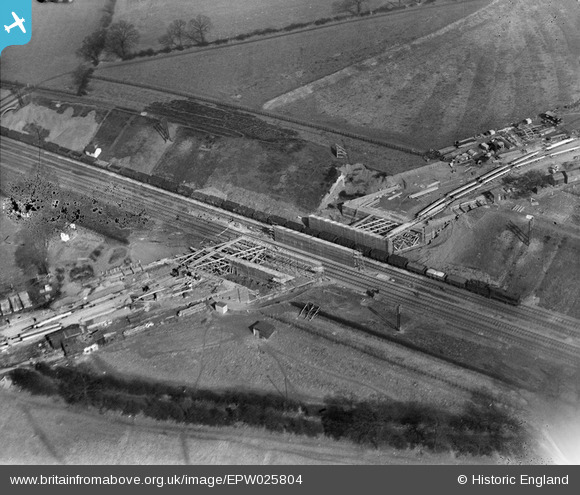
(255, 72)
(152, 17)
(57, 32)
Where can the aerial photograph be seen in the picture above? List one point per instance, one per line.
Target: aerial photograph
(290, 232)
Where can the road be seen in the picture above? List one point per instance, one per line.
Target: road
(550, 335)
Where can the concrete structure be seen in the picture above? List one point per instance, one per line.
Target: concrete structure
(359, 236)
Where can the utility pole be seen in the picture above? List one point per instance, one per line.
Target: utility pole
(398, 317)
(530, 224)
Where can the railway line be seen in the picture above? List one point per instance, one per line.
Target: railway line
(418, 294)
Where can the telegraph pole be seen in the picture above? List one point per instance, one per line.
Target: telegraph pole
(530, 224)
(398, 317)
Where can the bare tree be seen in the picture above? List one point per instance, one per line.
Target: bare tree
(354, 7)
(175, 35)
(121, 38)
(92, 46)
(197, 29)
(81, 77)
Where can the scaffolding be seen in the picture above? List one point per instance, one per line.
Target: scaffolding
(407, 240)
(219, 259)
(375, 225)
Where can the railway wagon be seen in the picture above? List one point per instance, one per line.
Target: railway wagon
(379, 255)
(297, 226)
(230, 206)
(398, 261)
(504, 296)
(260, 216)
(435, 274)
(456, 280)
(184, 190)
(277, 220)
(312, 245)
(199, 196)
(327, 236)
(246, 211)
(478, 287)
(416, 268)
(214, 201)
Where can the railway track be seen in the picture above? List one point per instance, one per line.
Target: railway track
(468, 320)
(421, 296)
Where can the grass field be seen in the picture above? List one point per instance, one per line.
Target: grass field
(256, 72)
(560, 290)
(57, 32)
(152, 17)
(508, 61)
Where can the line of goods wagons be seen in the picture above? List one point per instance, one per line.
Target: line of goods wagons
(475, 286)
(472, 285)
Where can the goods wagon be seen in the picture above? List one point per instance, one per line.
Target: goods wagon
(297, 226)
(184, 190)
(478, 287)
(398, 261)
(504, 296)
(416, 268)
(456, 280)
(277, 220)
(260, 216)
(246, 211)
(437, 275)
(379, 255)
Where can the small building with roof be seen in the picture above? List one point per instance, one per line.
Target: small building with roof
(262, 329)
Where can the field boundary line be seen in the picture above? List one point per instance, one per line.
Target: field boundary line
(354, 69)
(272, 115)
(192, 50)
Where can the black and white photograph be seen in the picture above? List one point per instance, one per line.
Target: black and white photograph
(290, 233)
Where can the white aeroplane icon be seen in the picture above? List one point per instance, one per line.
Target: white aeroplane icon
(17, 22)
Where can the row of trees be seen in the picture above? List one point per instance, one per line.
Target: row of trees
(181, 33)
(118, 39)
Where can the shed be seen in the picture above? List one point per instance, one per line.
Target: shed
(262, 329)
(221, 307)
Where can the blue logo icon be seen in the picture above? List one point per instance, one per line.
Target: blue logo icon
(15, 22)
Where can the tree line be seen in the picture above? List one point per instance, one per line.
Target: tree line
(481, 429)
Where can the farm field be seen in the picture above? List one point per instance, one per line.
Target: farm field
(57, 32)
(75, 436)
(510, 60)
(254, 73)
(152, 17)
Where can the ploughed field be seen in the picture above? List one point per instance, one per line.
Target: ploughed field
(256, 72)
(510, 60)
